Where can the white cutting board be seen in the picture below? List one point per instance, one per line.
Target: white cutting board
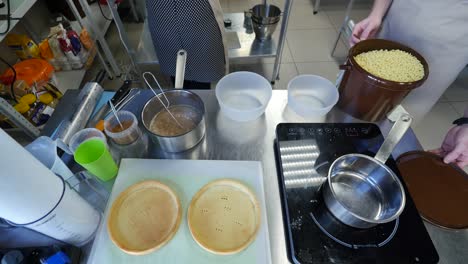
(185, 177)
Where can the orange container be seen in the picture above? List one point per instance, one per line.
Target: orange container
(32, 71)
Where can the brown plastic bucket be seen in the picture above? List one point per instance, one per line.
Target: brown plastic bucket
(366, 96)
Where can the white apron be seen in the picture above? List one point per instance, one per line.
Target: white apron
(438, 30)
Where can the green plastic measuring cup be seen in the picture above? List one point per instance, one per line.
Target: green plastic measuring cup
(94, 157)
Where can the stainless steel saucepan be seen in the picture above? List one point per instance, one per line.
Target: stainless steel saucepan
(362, 191)
(182, 142)
(175, 97)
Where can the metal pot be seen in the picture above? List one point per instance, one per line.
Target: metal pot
(362, 191)
(266, 14)
(181, 142)
(265, 18)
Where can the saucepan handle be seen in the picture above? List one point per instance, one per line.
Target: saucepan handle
(395, 135)
(180, 69)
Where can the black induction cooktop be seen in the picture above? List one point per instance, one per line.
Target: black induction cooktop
(304, 152)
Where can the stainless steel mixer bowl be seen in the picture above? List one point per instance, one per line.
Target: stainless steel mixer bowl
(177, 143)
(362, 191)
(263, 31)
(265, 18)
(266, 14)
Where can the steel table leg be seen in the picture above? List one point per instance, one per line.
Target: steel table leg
(133, 10)
(316, 6)
(124, 37)
(336, 41)
(343, 27)
(282, 38)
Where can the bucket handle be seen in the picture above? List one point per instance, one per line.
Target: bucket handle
(345, 67)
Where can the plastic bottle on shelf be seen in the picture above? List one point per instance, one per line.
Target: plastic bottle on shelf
(89, 45)
(28, 99)
(48, 99)
(53, 90)
(41, 114)
(24, 47)
(67, 48)
(60, 61)
(78, 49)
(86, 39)
(38, 112)
(74, 60)
(23, 109)
(47, 54)
(50, 104)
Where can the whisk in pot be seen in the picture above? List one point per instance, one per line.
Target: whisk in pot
(166, 104)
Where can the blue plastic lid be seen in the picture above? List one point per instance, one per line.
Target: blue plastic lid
(58, 258)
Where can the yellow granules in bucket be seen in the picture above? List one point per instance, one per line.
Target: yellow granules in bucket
(393, 65)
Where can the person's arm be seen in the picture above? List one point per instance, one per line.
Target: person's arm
(379, 9)
(368, 27)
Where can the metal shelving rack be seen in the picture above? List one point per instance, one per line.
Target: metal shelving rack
(98, 31)
(346, 27)
(7, 110)
(18, 9)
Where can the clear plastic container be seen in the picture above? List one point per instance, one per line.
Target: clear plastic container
(91, 189)
(311, 96)
(243, 96)
(124, 133)
(84, 135)
(127, 141)
(45, 150)
(137, 149)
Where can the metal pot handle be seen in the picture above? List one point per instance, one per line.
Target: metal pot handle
(180, 69)
(345, 75)
(394, 136)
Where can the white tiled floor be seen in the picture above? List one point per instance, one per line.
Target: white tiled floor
(459, 107)
(307, 51)
(288, 71)
(302, 17)
(327, 69)
(458, 91)
(311, 45)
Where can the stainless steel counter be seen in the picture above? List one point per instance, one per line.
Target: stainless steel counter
(230, 140)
